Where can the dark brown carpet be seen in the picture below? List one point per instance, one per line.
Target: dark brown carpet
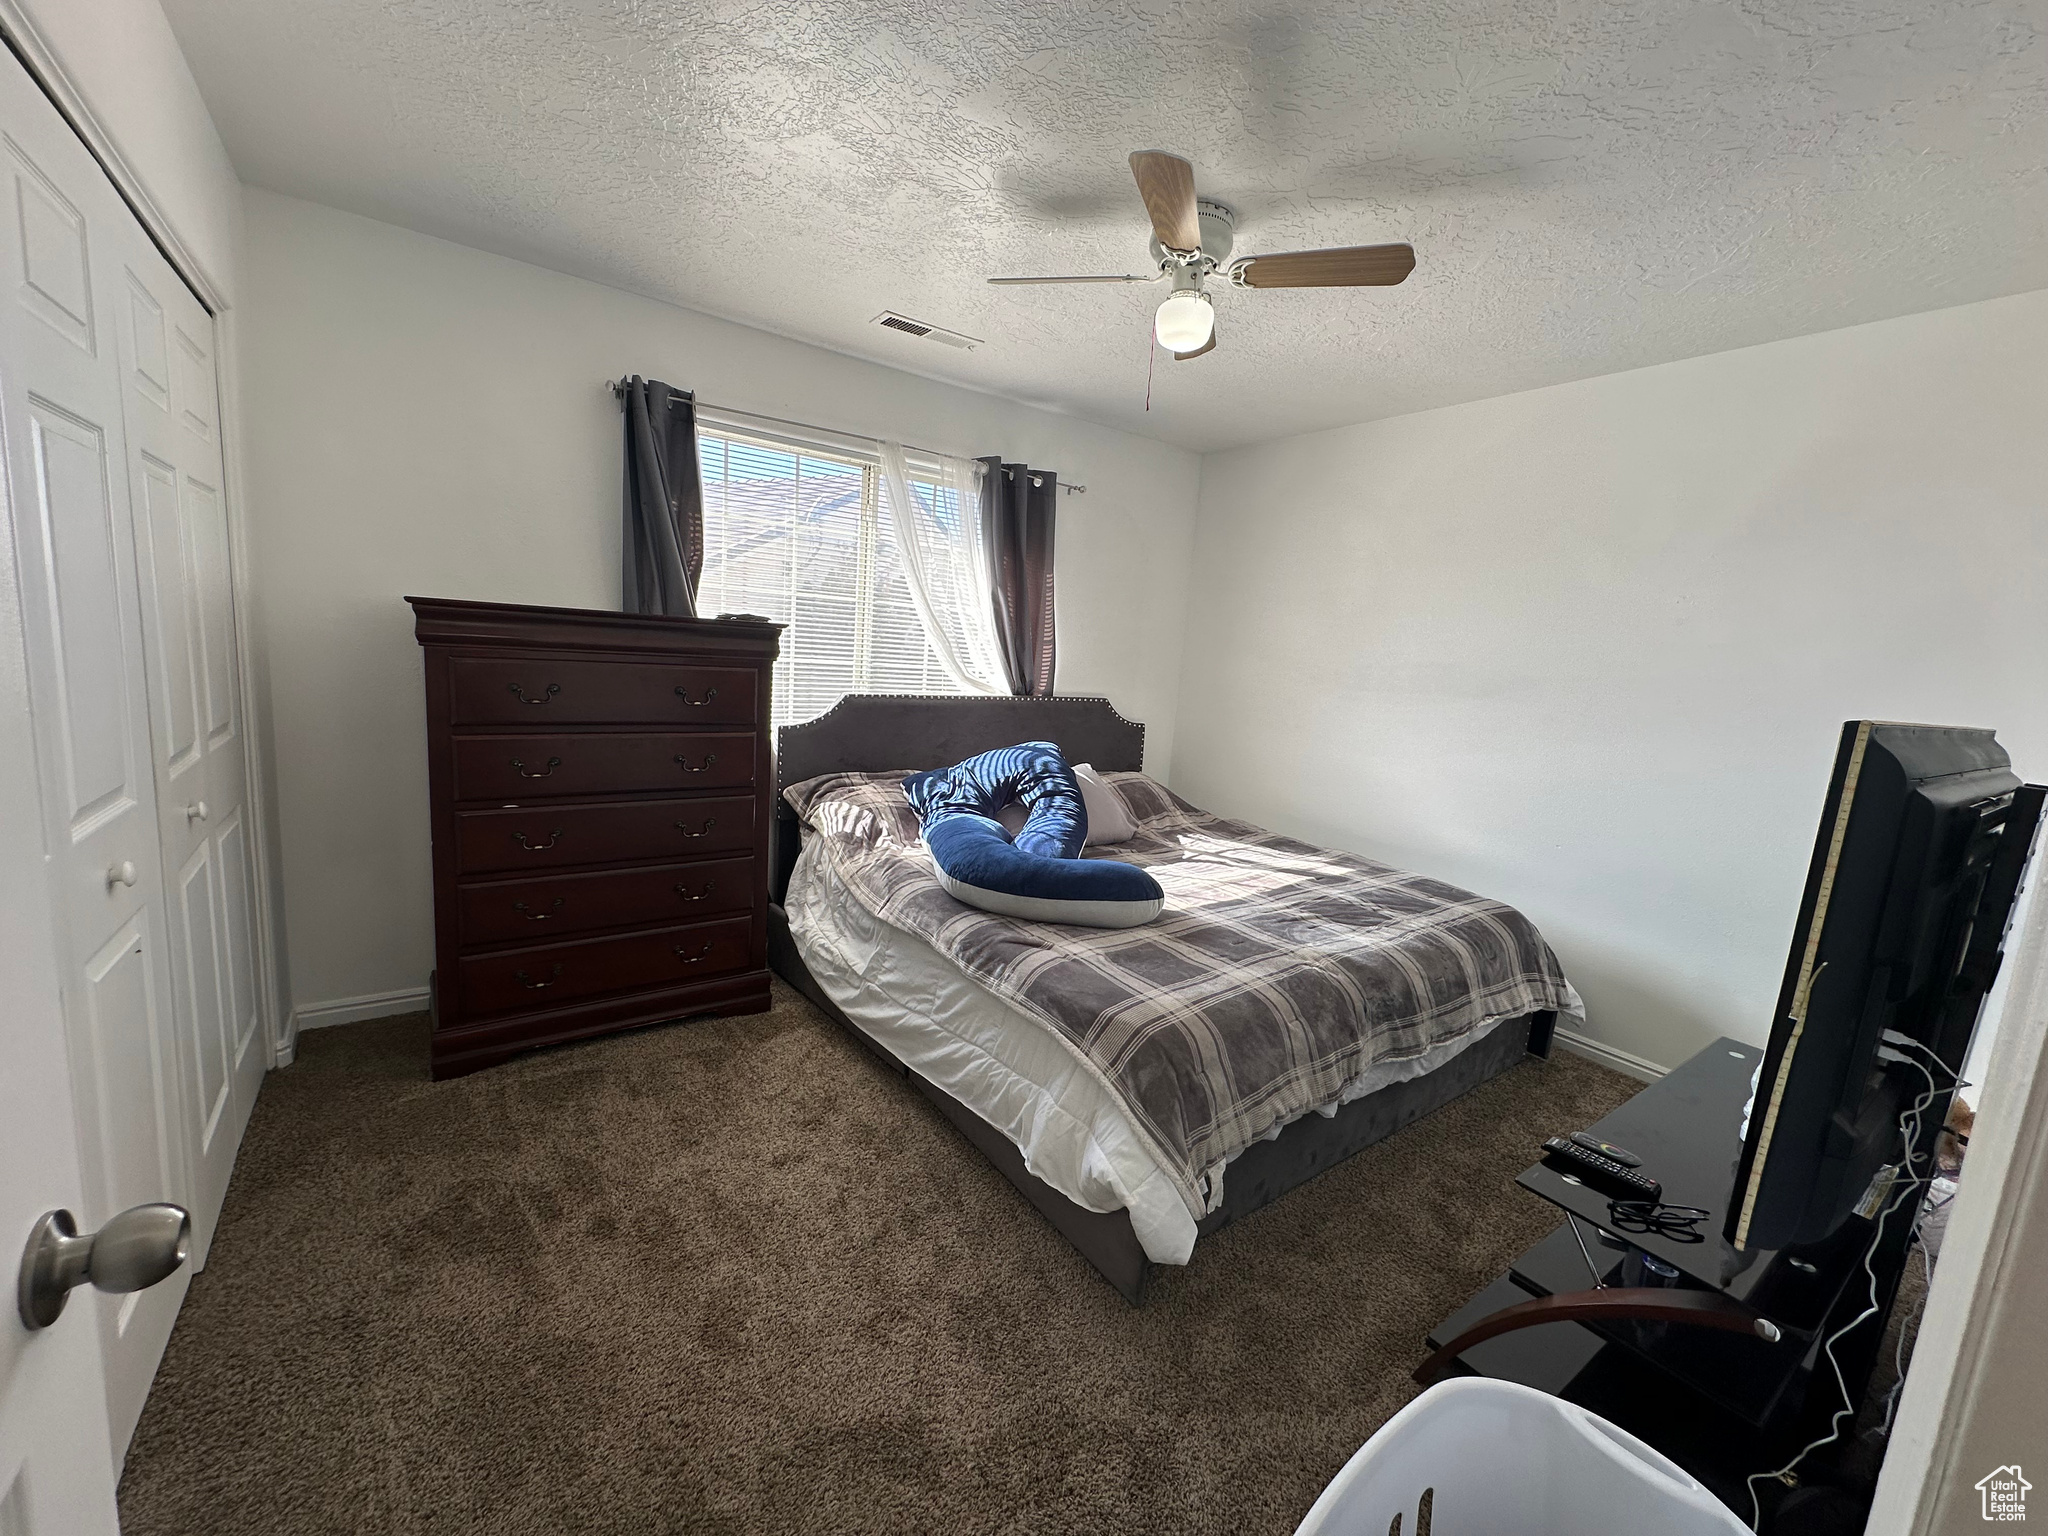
(731, 1276)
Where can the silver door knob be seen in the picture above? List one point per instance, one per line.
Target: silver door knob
(131, 1252)
(122, 873)
(196, 811)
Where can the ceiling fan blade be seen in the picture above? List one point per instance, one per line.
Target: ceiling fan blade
(1207, 346)
(1118, 277)
(1351, 266)
(1167, 183)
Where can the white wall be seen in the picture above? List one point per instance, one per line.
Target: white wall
(1588, 648)
(425, 418)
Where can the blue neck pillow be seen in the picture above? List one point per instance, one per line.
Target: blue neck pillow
(1040, 875)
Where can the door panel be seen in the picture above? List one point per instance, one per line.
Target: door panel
(125, 1055)
(175, 617)
(129, 1158)
(71, 558)
(148, 351)
(192, 386)
(200, 776)
(54, 273)
(206, 529)
(231, 850)
(197, 936)
(82, 574)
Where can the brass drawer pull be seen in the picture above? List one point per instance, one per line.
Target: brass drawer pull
(546, 773)
(683, 763)
(683, 891)
(519, 693)
(689, 959)
(534, 986)
(683, 693)
(553, 838)
(539, 917)
(709, 823)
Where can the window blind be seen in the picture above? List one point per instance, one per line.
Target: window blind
(795, 530)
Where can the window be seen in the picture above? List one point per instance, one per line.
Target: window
(797, 531)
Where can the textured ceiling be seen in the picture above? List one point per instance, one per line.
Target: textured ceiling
(1590, 185)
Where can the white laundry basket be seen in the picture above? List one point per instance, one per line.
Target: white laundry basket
(1506, 1460)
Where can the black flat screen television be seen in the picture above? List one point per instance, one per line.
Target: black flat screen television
(1916, 867)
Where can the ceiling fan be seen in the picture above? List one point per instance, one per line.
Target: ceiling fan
(1191, 240)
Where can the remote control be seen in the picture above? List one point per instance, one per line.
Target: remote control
(1621, 1155)
(1603, 1173)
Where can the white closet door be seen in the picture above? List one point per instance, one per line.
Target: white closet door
(87, 769)
(174, 471)
(157, 962)
(56, 1463)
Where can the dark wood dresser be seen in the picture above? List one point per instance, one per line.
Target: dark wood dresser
(602, 798)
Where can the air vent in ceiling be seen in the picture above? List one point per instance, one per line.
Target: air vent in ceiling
(895, 322)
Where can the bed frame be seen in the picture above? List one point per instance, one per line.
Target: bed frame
(875, 733)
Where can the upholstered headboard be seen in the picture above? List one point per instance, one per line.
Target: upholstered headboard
(875, 732)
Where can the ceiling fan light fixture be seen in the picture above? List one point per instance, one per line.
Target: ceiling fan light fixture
(1186, 321)
(1194, 239)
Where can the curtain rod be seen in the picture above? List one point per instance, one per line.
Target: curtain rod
(618, 389)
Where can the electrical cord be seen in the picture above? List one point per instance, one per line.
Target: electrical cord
(1891, 1398)
(1909, 1129)
(1925, 1055)
(1929, 1057)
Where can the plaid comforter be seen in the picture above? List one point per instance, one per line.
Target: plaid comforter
(1278, 973)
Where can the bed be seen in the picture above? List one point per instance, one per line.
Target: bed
(1134, 1145)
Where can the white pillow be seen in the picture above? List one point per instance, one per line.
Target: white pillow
(1109, 821)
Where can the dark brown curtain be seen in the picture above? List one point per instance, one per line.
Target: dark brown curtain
(663, 552)
(1017, 505)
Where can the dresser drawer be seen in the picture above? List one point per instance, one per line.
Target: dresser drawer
(536, 693)
(599, 762)
(527, 911)
(520, 980)
(640, 831)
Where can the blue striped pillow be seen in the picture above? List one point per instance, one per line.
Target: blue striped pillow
(1039, 875)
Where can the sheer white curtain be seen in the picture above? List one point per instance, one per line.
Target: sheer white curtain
(934, 505)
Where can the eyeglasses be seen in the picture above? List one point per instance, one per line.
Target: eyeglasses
(1677, 1223)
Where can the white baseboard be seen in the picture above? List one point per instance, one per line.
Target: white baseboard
(1639, 1067)
(353, 1010)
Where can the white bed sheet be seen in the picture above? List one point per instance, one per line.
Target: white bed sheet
(1018, 1073)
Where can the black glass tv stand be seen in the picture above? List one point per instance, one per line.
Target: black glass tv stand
(1722, 1368)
